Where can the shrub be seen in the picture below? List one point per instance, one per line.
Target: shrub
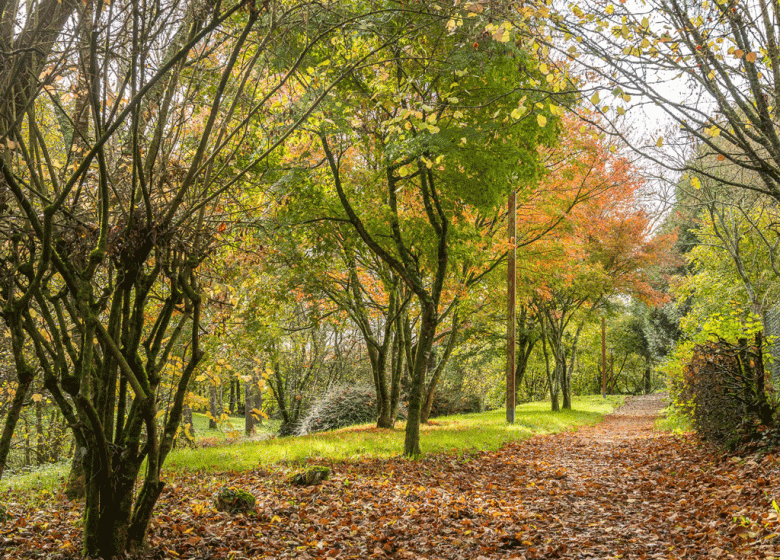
(339, 407)
(446, 403)
(723, 392)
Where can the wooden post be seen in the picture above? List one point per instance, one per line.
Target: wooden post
(603, 358)
(511, 342)
(611, 372)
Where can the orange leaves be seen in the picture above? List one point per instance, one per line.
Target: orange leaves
(590, 228)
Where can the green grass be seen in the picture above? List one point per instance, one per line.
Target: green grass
(485, 431)
(672, 420)
(232, 428)
(457, 434)
(32, 482)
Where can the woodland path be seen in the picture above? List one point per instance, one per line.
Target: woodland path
(615, 490)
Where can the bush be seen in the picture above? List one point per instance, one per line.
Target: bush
(339, 407)
(446, 403)
(723, 392)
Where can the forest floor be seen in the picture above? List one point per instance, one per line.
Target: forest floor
(619, 489)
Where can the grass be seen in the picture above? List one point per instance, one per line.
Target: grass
(231, 428)
(457, 434)
(484, 431)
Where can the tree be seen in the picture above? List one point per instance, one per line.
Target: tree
(601, 249)
(447, 121)
(120, 142)
(724, 55)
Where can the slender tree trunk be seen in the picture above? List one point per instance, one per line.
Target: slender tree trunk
(396, 367)
(438, 372)
(425, 342)
(186, 420)
(249, 423)
(12, 418)
(214, 413)
(257, 404)
(552, 378)
(40, 447)
(384, 417)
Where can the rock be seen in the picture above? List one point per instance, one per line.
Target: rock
(310, 477)
(234, 500)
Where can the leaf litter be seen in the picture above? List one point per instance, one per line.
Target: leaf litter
(615, 490)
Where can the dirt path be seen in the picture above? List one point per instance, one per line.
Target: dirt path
(615, 490)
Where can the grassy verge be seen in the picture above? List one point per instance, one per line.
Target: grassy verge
(484, 431)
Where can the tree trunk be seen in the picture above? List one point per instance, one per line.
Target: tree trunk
(40, 447)
(186, 421)
(565, 387)
(552, 378)
(439, 371)
(397, 368)
(424, 344)
(384, 419)
(12, 418)
(213, 412)
(249, 423)
(257, 405)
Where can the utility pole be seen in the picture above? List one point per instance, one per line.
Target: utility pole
(603, 358)
(511, 310)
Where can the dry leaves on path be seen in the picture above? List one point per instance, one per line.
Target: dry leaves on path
(616, 490)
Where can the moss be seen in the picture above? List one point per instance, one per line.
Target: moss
(310, 477)
(234, 500)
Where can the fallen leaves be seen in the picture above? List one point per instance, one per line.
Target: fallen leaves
(617, 490)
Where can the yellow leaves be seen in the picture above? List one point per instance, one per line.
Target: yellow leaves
(516, 114)
(610, 9)
(541, 120)
(595, 99)
(695, 183)
(713, 131)
(37, 397)
(660, 141)
(544, 69)
(454, 23)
